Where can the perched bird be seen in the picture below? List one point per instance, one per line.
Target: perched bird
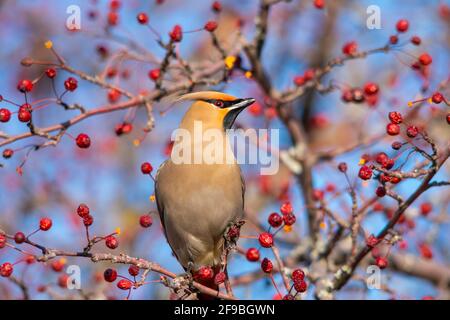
(197, 201)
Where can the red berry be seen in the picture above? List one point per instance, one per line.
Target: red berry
(426, 208)
(396, 145)
(342, 167)
(448, 118)
(58, 265)
(252, 254)
(51, 73)
(425, 59)
(395, 117)
(372, 241)
(275, 220)
(114, 4)
(300, 286)
(266, 265)
(133, 270)
(393, 39)
(289, 219)
(154, 74)
(124, 284)
(6, 269)
(88, 220)
(381, 191)
(299, 81)
(145, 221)
(392, 129)
(7, 153)
(319, 4)
(266, 239)
(425, 251)
(350, 48)
(365, 173)
(309, 74)
(25, 85)
(437, 97)
(412, 131)
(347, 96)
(286, 208)
(176, 35)
(357, 95)
(402, 25)
(216, 6)
(371, 88)
(83, 141)
(24, 114)
(210, 26)
(255, 109)
(111, 242)
(110, 275)
(289, 297)
(416, 40)
(146, 168)
(71, 84)
(5, 115)
(83, 210)
(45, 224)
(19, 237)
(113, 18)
(142, 18)
(381, 262)
(113, 95)
(317, 195)
(298, 275)
(2, 241)
(205, 273)
(220, 278)
(381, 158)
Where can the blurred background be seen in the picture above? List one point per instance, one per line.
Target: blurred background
(107, 176)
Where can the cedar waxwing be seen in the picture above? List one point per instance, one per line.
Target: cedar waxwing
(198, 201)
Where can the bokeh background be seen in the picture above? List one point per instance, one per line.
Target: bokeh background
(107, 175)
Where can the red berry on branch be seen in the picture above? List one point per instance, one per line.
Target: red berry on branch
(7, 153)
(111, 242)
(252, 254)
(176, 35)
(88, 220)
(51, 73)
(2, 241)
(299, 81)
(425, 251)
(286, 208)
(288, 297)
(350, 48)
(381, 158)
(266, 239)
(372, 241)
(154, 74)
(300, 286)
(142, 18)
(426, 208)
(6, 269)
(24, 114)
(205, 273)
(275, 220)
(371, 88)
(210, 26)
(113, 95)
(395, 117)
(319, 4)
(381, 262)
(437, 97)
(425, 59)
(124, 284)
(309, 74)
(58, 265)
(342, 167)
(83, 210)
(381, 191)
(365, 173)
(255, 109)
(45, 224)
(133, 270)
(393, 39)
(113, 18)
(220, 278)
(83, 141)
(71, 84)
(114, 4)
(266, 265)
(110, 275)
(146, 168)
(19, 237)
(402, 25)
(416, 40)
(25, 85)
(448, 118)
(5, 115)
(396, 145)
(216, 6)
(412, 131)
(392, 129)
(357, 95)
(298, 275)
(289, 219)
(347, 96)
(317, 195)
(145, 221)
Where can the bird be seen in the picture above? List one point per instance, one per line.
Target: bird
(197, 202)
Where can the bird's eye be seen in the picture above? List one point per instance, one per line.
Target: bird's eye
(218, 103)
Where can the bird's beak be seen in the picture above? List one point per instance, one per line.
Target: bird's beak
(234, 110)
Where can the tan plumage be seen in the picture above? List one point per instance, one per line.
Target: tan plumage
(197, 202)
